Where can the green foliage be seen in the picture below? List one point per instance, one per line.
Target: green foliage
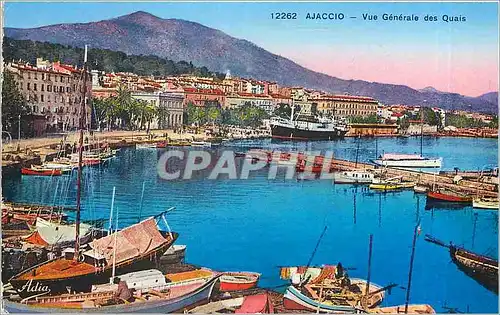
(246, 115)
(100, 59)
(371, 119)
(13, 105)
(461, 121)
(494, 122)
(430, 117)
(124, 112)
(283, 110)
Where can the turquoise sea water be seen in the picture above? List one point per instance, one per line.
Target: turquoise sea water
(259, 224)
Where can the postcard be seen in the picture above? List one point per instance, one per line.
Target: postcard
(250, 157)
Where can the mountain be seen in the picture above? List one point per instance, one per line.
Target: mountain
(141, 33)
(491, 97)
(430, 89)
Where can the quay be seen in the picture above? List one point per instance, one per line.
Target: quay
(445, 180)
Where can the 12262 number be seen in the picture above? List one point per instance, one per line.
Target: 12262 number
(283, 16)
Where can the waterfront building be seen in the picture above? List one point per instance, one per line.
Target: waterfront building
(54, 93)
(152, 99)
(203, 97)
(170, 114)
(239, 99)
(347, 105)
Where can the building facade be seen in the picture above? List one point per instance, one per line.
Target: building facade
(171, 111)
(239, 99)
(347, 106)
(203, 97)
(54, 91)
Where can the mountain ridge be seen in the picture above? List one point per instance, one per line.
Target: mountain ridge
(142, 33)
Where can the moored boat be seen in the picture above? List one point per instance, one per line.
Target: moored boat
(407, 160)
(153, 293)
(485, 203)
(146, 145)
(481, 268)
(448, 196)
(39, 171)
(328, 289)
(420, 189)
(135, 246)
(174, 254)
(353, 177)
(400, 309)
(203, 144)
(237, 281)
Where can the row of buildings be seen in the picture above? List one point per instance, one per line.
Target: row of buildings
(54, 93)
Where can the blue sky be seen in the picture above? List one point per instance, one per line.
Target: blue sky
(305, 41)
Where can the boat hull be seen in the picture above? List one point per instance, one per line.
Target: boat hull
(433, 195)
(295, 300)
(45, 172)
(178, 304)
(479, 204)
(429, 163)
(282, 132)
(238, 281)
(484, 272)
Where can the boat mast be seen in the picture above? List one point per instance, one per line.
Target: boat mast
(411, 265)
(421, 130)
(80, 154)
(369, 265)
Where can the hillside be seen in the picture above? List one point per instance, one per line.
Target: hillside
(141, 33)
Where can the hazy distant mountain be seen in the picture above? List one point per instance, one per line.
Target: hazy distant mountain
(143, 33)
(430, 89)
(491, 97)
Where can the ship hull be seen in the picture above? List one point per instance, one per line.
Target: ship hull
(430, 163)
(287, 133)
(175, 305)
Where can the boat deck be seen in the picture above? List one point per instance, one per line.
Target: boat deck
(57, 269)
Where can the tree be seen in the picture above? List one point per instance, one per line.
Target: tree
(13, 105)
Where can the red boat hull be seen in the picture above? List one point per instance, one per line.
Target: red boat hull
(238, 281)
(292, 305)
(445, 197)
(29, 171)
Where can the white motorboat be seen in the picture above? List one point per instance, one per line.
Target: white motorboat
(485, 203)
(407, 160)
(353, 177)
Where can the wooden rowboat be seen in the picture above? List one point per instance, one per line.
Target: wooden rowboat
(482, 203)
(449, 196)
(400, 309)
(481, 268)
(163, 297)
(35, 171)
(237, 281)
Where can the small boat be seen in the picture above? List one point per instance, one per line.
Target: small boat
(400, 309)
(237, 281)
(146, 145)
(386, 186)
(324, 290)
(59, 166)
(485, 203)
(256, 304)
(418, 189)
(49, 233)
(448, 196)
(407, 160)
(204, 144)
(481, 268)
(174, 254)
(153, 293)
(39, 171)
(353, 177)
(161, 144)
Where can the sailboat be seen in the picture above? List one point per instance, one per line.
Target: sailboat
(410, 160)
(123, 251)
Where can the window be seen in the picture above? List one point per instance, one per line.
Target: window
(49, 88)
(21, 85)
(34, 86)
(36, 76)
(29, 75)
(48, 98)
(43, 77)
(67, 89)
(41, 88)
(41, 98)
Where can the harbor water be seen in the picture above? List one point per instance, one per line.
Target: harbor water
(260, 224)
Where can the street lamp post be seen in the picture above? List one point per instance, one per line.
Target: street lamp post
(19, 129)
